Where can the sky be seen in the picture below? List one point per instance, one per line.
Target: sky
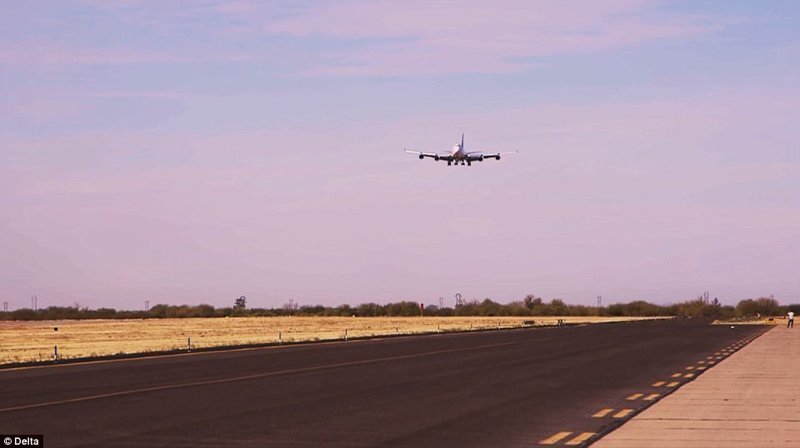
(193, 152)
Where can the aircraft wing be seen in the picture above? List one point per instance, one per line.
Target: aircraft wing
(479, 156)
(432, 155)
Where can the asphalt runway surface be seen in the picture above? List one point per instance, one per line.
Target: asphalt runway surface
(513, 388)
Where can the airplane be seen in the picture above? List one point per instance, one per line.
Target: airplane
(458, 154)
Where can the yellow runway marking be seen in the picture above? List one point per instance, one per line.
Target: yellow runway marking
(673, 384)
(701, 362)
(711, 362)
(555, 438)
(690, 368)
(247, 377)
(688, 375)
(709, 357)
(676, 375)
(658, 383)
(602, 413)
(623, 413)
(701, 368)
(651, 397)
(634, 397)
(584, 436)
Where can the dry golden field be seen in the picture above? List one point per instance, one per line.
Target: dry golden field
(34, 340)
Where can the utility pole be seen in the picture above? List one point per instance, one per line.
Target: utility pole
(34, 302)
(441, 302)
(599, 304)
(459, 302)
(147, 305)
(5, 306)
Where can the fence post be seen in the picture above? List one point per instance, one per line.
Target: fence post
(188, 344)
(345, 334)
(280, 338)
(55, 353)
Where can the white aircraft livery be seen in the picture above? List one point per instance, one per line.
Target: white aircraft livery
(458, 154)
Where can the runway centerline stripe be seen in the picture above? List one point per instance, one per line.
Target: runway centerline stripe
(250, 377)
(634, 397)
(651, 397)
(555, 438)
(658, 383)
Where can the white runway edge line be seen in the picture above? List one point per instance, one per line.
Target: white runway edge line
(249, 377)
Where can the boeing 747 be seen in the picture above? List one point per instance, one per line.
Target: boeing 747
(459, 155)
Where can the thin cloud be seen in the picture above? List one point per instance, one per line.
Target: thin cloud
(43, 52)
(365, 38)
(146, 94)
(420, 37)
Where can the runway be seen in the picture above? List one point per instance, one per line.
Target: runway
(509, 388)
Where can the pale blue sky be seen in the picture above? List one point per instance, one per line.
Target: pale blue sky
(188, 152)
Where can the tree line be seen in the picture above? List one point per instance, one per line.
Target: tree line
(530, 306)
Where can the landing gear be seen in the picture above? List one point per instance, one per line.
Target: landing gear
(449, 163)
(469, 163)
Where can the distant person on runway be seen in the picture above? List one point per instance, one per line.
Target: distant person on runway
(790, 322)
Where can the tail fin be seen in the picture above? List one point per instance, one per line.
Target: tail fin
(462, 140)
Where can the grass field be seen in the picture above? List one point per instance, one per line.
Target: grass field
(35, 340)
